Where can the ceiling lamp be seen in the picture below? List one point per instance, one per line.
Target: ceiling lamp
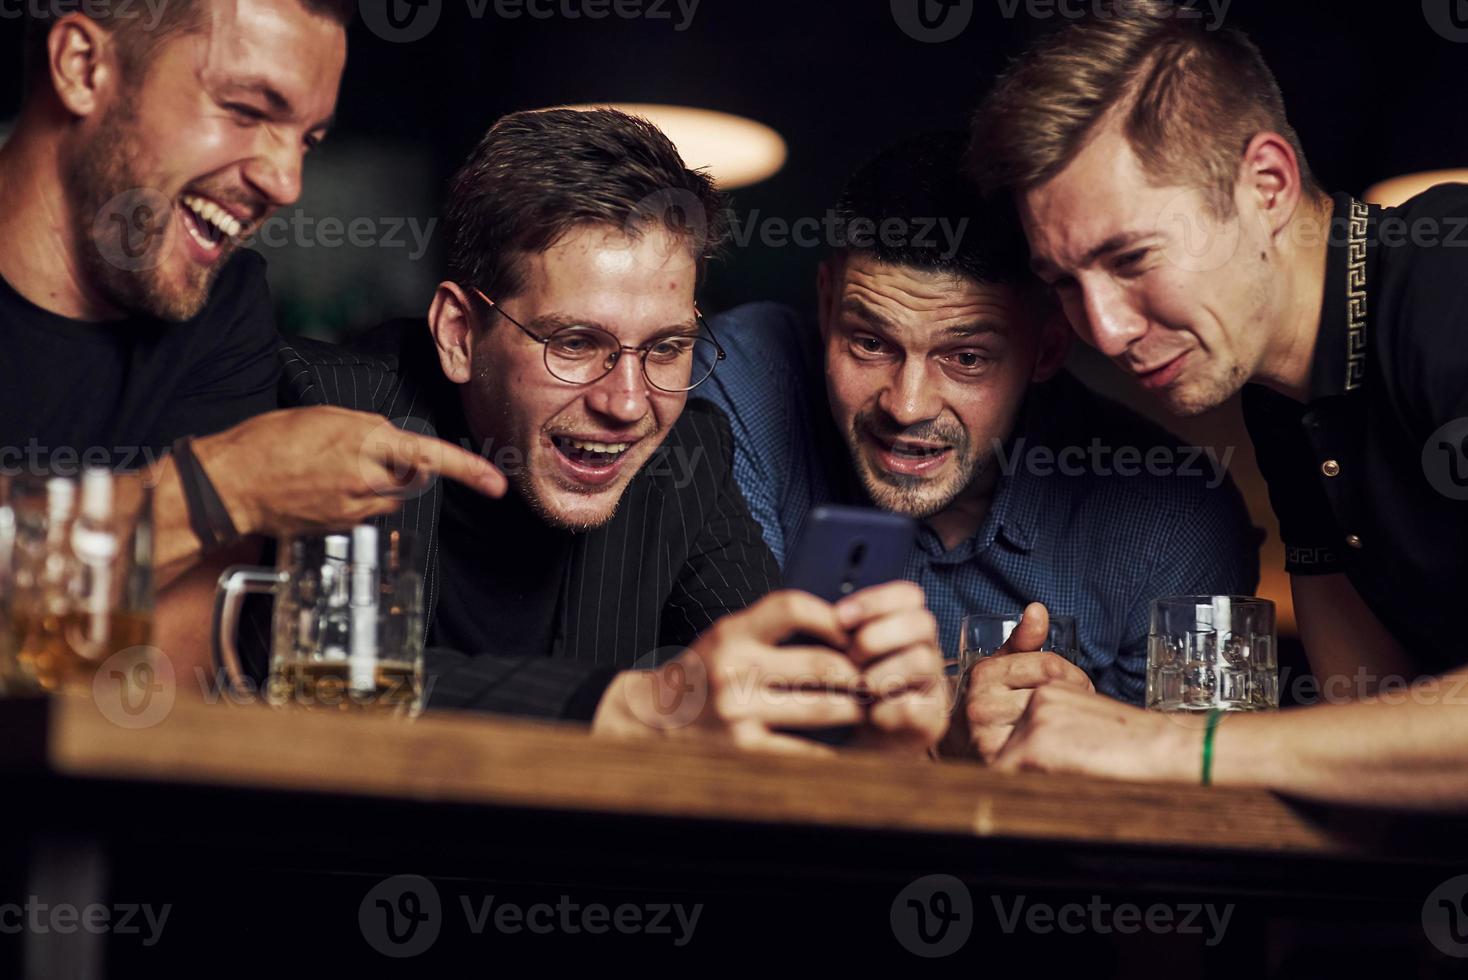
(736, 151)
(1390, 193)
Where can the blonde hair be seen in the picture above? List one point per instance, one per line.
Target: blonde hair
(1188, 100)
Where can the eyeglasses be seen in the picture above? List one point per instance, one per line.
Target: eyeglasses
(582, 355)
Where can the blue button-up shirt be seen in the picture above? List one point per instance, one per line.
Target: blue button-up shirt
(1097, 511)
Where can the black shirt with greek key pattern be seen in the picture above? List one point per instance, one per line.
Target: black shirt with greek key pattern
(1370, 477)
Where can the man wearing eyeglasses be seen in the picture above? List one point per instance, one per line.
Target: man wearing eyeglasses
(612, 585)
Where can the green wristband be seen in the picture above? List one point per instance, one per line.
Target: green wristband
(1214, 717)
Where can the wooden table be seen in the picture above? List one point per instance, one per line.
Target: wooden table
(228, 812)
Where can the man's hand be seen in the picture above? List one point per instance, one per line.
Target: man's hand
(736, 684)
(307, 470)
(894, 640)
(999, 688)
(1066, 729)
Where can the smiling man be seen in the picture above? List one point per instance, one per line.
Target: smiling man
(934, 388)
(133, 322)
(611, 585)
(1168, 203)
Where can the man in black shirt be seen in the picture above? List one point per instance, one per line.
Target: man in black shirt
(1168, 202)
(608, 587)
(143, 155)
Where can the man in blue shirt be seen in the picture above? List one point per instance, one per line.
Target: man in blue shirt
(944, 398)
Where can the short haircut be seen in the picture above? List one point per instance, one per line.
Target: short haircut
(537, 175)
(135, 40)
(1188, 100)
(920, 186)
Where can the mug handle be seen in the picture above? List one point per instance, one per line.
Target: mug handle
(237, 582)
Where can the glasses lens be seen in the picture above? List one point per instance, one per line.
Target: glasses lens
(680, 363)
(580, 355)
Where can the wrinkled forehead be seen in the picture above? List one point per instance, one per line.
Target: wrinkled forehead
(276, 46)
(918, 303)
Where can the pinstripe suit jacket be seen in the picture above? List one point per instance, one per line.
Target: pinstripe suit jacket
(681, 551)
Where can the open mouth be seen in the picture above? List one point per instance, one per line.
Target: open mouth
(593, 454)
(209, 225)
(909, 458)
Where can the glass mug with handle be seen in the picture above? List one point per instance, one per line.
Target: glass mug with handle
(77, 579)
(347, 627)
(1212, 652)
(983, 634)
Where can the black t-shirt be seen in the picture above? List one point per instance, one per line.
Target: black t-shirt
(119, 392)
(504, 570)
(1370, 478)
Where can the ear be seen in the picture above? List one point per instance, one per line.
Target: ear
(82, 61)
(451, 321)
(1055, 339)
(1270, 181)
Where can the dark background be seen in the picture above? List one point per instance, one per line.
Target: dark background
(1373, 92)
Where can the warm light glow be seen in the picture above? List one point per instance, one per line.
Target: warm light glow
(1390, 193)
(736, 151)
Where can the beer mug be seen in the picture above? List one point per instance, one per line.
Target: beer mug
(347, 626)
(76, 585)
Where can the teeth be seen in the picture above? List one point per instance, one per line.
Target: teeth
(226, 223)
(599, 447)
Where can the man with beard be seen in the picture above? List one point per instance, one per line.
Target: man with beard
(944, 399)
(1168, 203)
(131, 319)
(611, 586)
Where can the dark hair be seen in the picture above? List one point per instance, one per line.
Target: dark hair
(536, 175)
(136, 41)
(920, 182)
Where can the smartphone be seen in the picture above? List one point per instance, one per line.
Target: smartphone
(844, 550)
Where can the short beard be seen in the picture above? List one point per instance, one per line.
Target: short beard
(910, 495)
(95, 176)
(523, 483)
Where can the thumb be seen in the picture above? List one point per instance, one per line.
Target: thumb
(1031, 633)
